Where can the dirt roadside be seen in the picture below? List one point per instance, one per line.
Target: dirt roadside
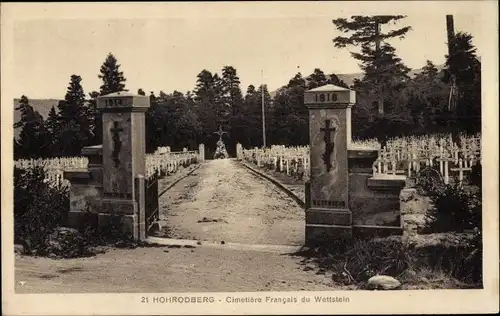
(166, 269)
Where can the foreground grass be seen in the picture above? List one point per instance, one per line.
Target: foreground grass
(450, 261)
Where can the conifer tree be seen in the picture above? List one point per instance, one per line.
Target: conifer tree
(112, 77)
(231, 92)
(376, 57)
(466, 67)
(33, 139)
(316, 79)
(53, 130)
(75, 119)
(232, 100)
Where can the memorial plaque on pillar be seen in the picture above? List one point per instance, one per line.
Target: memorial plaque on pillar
(123, 149)
(329, 128)
(329, 137)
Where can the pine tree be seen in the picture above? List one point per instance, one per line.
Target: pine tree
(384, 80)
(205, 87)
(231, 92)
(208, 101)
(188, 128)
(384, 74)
(251, 119)
(336, 81)
(52, 128)
(290, 117)
(316, 79)
(112, 77)
(366, 32)
(51, 123)
(33, 138)
(232, 100)
(464, 65)
(76, 119)
(426, 97)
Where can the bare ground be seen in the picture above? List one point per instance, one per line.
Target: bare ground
(223, 201)
(167, 269)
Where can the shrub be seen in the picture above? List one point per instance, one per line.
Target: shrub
(454, 207)
(38, 208)
(475, 176)
(40, 212)
(429, 180)
(66, 243)
(353, 262)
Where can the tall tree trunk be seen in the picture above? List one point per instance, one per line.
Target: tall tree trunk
(380, 96)
(452, 106)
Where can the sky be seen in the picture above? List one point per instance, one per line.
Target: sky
(166, 52)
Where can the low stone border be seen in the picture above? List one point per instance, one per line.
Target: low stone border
(295, 197)
(188, 243)
(177, 181)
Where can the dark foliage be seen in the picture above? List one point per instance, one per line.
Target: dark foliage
(33, 139)
(40, 214)
(38, 208)
(354, 261)
(454, 207)
(111, 75)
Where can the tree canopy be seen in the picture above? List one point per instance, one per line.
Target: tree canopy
(411, 105)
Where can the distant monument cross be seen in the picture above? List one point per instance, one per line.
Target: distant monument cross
(117, 144)
(329, 144)
(220, 132)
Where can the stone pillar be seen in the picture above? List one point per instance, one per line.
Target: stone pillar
(201, 152)
(86, 190)
(239, 151)
(123, 159)
(373, 200)
(328, 216)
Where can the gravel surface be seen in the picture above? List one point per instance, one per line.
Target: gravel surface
(168, 269)
(223, 201)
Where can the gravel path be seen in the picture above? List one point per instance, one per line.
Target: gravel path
(173, 270)
(223, 201)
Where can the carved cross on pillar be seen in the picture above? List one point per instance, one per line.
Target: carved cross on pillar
(329, 144)
(117, 144)
(220, 132)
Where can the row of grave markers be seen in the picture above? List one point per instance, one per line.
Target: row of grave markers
(161, 161)
(403, 156)
(409, 156)
(289, 160)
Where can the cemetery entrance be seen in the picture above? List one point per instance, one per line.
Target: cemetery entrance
(223, 202)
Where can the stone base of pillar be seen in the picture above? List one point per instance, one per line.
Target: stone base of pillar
(342, 217)
(128, 224)
(123, 215)
(362, 231)
(78, 220)
(326, 225)
(317, 234)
